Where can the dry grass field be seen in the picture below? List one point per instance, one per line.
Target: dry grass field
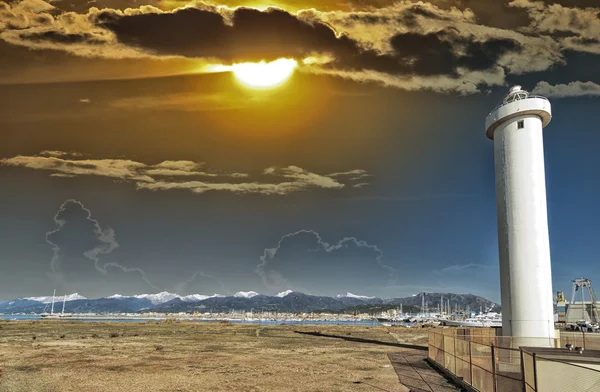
(56, 356)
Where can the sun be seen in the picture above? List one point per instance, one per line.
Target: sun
(263, 74)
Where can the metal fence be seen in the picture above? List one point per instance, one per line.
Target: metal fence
(587, 340)
(477, 361)
(543, 373)
(498, 364)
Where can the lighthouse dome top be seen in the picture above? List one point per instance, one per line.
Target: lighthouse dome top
(514, 89)
(515, 94)
(517, 103)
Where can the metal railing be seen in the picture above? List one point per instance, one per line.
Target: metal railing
(542, 373)
(477, 361)
(491, 363)
(587, 340)
(515, 100)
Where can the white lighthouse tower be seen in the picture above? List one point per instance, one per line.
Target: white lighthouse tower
(525, 274)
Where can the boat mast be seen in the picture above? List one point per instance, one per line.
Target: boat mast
(52, 308)
(64, 300)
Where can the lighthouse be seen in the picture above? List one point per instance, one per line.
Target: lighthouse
(515, 126)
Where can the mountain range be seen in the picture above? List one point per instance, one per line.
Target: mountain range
(287, 301)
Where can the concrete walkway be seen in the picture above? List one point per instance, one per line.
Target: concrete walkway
(416, 374)
(408, 360)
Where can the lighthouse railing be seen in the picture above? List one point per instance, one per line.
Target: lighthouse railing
(522, 99)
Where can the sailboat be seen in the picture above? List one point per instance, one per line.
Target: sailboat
(53, 315)
(62, 313)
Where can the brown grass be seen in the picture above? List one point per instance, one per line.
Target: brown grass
(187, 356)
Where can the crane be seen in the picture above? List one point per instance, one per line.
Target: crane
(589, 316)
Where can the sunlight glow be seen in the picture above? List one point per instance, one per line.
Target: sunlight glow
(263, 74)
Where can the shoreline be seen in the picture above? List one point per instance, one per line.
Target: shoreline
(203, 319)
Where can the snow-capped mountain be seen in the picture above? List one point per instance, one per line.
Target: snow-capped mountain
(246, 294)
(198, 297)
(155, 299)
(48, 299)
(159, 298)
(165, 296)
(284, 293)
(350, 295)
(286, 301)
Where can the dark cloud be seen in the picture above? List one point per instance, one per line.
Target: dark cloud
(435, 53)
(367, 18)
(252, 35)
(63, 38)
(482, 55)
(194, 32)
(586, 41)
(430, 53)
(443, 45)
(408, 17)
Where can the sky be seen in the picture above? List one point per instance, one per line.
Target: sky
(136, 156)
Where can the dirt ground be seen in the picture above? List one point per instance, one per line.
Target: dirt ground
(56, 356)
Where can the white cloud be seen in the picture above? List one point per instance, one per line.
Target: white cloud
(188, 166)
(183, 102)
(168, 175)
(282, 188)
(100, 241)
(573, 89)
(466, 83)
(374, 27)
(555, 17)
(173, 173)
(301, 260)
(115, 168)
(58, 153)
(352, 174)
(304, 179)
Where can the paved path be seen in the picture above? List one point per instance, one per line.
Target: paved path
(416, 374)
(408, 360)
